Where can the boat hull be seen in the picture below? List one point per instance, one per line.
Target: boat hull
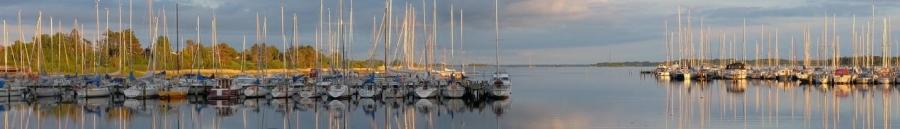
(141, 93)
(501, 91)
(369, 92)
(308, 92)
(255, 91)
(338, 91)
(12, 92)
(222, 94)
(425, 92)
(92, 92)
(174, 92)
(453, 91)
(283, 92)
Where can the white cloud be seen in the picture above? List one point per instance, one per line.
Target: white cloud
(212, 4)
(534, 12)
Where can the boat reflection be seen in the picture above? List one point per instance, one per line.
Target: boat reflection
(777, 104)
(282, 113)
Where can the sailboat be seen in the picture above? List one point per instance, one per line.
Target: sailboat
(256, 88)
(428, 86)
(251, 87)
(282, 82)
(339, 87)
(501, 82)
(176, 91)
(149, 85)
(390, 83)
(93, 86)
(338, 91)
(369, 88)
(454, 88)
(6, 89)
(282, 86)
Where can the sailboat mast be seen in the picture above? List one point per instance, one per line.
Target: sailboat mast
(97, 31)
(497, 31)
(295, 41)
(258, 48)
(178, 40)
(5, 43)
(434, 35)
(265, 39)
(462, 40)
(150, 19)
(452, 35)
(319, 34)
(38, 33)
(884, 45)
(243, 48)
(199, 44)
(283, 40)
(215, 45)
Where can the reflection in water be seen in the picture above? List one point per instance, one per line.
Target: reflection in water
(288, 113)
(768, 104)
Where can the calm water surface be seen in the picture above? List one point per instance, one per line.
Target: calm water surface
(543, 98)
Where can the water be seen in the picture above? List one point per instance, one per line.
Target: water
(543, 98)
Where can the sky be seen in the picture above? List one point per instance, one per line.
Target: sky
(532, 31)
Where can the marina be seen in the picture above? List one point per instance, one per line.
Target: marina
(449, 64)
(105, 68)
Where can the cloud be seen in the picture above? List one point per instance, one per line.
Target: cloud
(536, 12)
(212, 4)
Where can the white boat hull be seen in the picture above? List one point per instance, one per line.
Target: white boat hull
(369, 92)
(12, 92)
(92, 92)
(308, 92)
(883, 80)
(255, 91)
(283, 92)
(140, 92)
(844, 79)
(338, 91)
(453, 91)
(501, 91)
(47, 92)
(425, 92)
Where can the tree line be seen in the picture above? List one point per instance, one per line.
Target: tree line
(122, 52)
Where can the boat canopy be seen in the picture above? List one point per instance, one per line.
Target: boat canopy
(736, 66)
(842, 71)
